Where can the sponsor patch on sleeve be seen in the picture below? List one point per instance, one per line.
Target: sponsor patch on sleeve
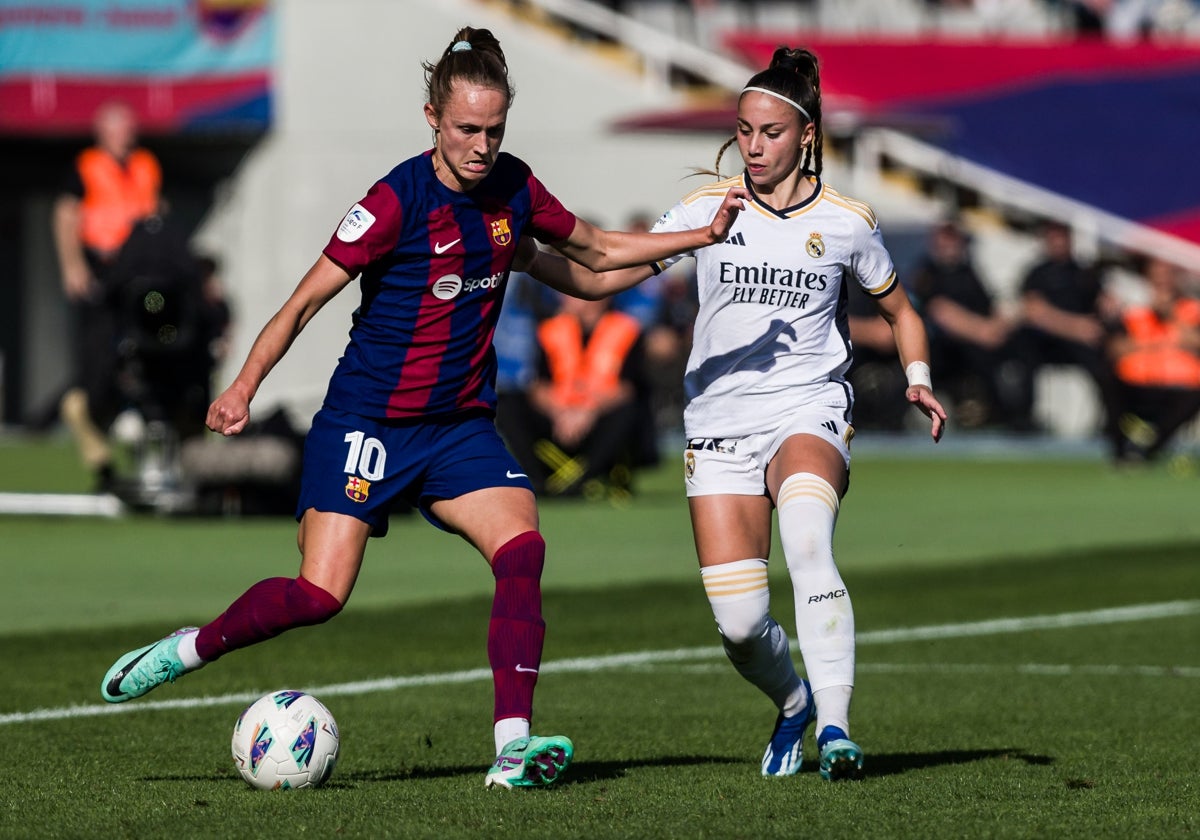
(356, 223)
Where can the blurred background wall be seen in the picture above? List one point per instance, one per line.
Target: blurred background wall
(272, 118)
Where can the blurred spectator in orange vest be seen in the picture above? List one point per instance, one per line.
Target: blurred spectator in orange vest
(1156, 354)
(583, 424)
(112, 186)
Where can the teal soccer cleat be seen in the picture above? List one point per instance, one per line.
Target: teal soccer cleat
(530, 762)
(141, 670)
(785, 750)
(841, 758)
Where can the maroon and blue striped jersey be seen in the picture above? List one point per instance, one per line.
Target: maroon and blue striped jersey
(434, 264)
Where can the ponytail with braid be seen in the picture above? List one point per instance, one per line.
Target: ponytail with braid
(794, 75)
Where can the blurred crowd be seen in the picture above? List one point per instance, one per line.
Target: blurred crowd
(1125, 20)
(1140, 349)
(1120, 20)
(587, 389)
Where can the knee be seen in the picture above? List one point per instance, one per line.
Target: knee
(808, 507)
(739, 597)
(740, 629)
(806, 546)
(310, 604)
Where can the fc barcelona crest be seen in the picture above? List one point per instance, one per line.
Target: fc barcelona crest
(357, 489)
(815, 246)
(501, 234)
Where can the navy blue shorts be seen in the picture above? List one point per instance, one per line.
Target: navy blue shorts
(364, 468)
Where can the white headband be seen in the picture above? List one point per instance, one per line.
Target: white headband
(782, 98)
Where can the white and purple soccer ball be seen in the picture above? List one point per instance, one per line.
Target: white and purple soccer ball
(285, 739)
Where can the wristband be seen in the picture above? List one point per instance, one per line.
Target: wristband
(918, 374)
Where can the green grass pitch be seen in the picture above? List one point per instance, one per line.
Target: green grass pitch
(1029, 666)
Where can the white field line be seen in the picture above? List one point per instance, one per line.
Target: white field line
(1142, 612)
(1033, 669)
(62, 504)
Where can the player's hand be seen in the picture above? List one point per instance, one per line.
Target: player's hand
(573, 425)
(229, 413)
(734, 203)
(923, 398)
(79, 284)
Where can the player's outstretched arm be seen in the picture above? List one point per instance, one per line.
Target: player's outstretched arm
(605, 250)
(571, 278)
(230, 412)
(912, 343)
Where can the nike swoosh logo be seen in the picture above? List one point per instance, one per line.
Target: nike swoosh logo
(525, 670)
(439, 248)
(511, 474)
(114, 685)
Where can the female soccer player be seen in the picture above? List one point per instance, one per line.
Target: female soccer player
(768, 417)
(408, 414)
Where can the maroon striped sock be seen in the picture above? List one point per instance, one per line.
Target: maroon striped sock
(265, 610)
(517, 630)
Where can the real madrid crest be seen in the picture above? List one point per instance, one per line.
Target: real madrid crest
(689, 464)
(815, 246)
(501, 234)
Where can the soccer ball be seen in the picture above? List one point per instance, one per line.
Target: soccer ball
(285, 739)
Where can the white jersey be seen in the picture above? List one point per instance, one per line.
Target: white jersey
(772, 332)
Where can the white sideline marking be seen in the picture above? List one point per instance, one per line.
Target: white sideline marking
(1141, 612)
(1036, 669)
(1115, 615)
(62, 504)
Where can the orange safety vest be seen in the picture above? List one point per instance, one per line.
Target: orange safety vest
(581, 375)
(116, 196)
(1171, 366)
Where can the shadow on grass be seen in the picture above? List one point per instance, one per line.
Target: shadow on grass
(580, 772)
(893, 764)
(592, 772)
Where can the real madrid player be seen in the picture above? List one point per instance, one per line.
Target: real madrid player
(408, 414)
(768, 416)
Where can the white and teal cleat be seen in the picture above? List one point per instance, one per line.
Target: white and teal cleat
(141, 670)
(841, 758)
(530, 762)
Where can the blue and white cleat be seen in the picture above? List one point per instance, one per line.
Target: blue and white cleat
(785, 750)
(530, 762)
(841, 758)
(141, 670)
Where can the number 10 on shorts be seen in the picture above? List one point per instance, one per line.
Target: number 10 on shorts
(366, 456)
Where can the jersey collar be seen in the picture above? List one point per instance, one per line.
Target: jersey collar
(819, 187)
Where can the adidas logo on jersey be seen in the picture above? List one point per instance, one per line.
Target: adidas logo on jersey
(736, 239)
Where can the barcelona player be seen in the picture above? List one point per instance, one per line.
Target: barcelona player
(768, 414)
(408, 415)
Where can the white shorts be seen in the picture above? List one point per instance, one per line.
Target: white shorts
(738, 466)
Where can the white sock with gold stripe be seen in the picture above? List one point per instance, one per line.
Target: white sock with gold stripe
(808, 508)
(754, 642)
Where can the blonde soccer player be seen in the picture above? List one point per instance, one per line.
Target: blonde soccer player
(408, 416)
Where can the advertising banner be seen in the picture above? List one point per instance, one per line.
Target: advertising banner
(183, 65)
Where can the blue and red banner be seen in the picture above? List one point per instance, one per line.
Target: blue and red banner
(183, 65)
(1111, 125)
